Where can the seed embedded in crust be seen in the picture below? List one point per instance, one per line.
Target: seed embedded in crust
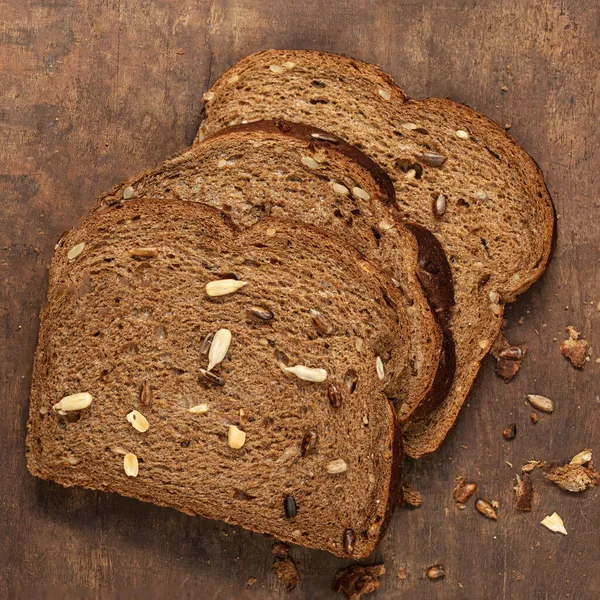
(222, 163)
(143, 253)
(261, 312)
(138, 420)
(410, 126)
(288, 64)
(321, 323)
(309, 162)
(219, 348)
(541, 402)
(337, 466)
(325, 137)
(385, 94)
(130, 464)
(73, 402)
(146, 395)
(222, 287)
(439, 206)
(335, 395)
(349, 540)
(360, 193)
(233, 79)
(340, 189)
(75, 251)
(199, 409)
(289, 506)
(211, 377)
(276, 69)
(309, 442)
(307, 373)
(205, 346)
(432, 159)
(236, 438)
(208, 96)
(462, 134)
(380, 369)
(351, 380)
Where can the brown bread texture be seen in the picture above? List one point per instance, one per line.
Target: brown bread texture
(125, 321)
(497, 219)
(289, 170)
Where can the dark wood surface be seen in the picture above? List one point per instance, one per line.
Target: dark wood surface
(92, 91)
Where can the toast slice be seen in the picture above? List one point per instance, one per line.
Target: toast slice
(290, 170)
(261, 439)
(456, 173)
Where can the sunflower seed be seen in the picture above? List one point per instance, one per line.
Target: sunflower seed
(309, 442)
(143, 252)
(211, 377)
(541, 402)
(199, 409)
(222, 163)
(486, 509)
(146, 395)
(432, 159)
(462, 134)
(360, 193)
(75, 251)
(309, 162)
(221, 287)
(208, 96)
(326, 137)
(582, 458)
(289, 64)
(307, 373)
(74, 402)
(289, 506)
(335, 396)
(218, 348)
(236, 438)
(276, 69)
(289, 454)
(439, 206)
(259, 311)
(138, 420)
(337, 466)
(436, 572)
(321, 322)
(410, 126)
(554, 523)
(128, 193)
(380, 369)
(385, 94)
(349, 540)
(130, 464)
(338, 188)
(205, 346)
(511, 353)
(351, 380)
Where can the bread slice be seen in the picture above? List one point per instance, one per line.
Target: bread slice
(455, 172)
(291, 170)
(125, 322)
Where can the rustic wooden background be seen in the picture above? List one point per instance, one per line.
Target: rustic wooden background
(92, 91)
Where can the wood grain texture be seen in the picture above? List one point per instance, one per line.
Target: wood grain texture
(93, 91)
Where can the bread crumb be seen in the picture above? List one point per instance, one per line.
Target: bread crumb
(411, 496)
(358, 580)
(251, 581)
(401, 574)
(574, 349)
(574, 478)
(524, 492)
(286, 572)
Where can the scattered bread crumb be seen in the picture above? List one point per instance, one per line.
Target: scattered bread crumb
(554, 523)
(411, 496)
(251, 581)
(286, 572)
(574, 478)
(401, 574)
(574, 349)
(524, 492)
(358, 580)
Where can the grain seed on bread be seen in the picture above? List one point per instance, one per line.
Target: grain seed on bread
(75, 251)
(219, 348)
(222, 287)
(138, 421)
(236, 438)
(73, 402)
(316, 375)
(131, 465)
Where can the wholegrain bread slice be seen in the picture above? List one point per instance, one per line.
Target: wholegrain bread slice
(300, 172)
(127, 316)
(456, 173)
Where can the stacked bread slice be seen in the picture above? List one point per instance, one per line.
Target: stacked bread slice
(456, 173)
(247, 331)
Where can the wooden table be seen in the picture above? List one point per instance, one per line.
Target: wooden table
(94, 91)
